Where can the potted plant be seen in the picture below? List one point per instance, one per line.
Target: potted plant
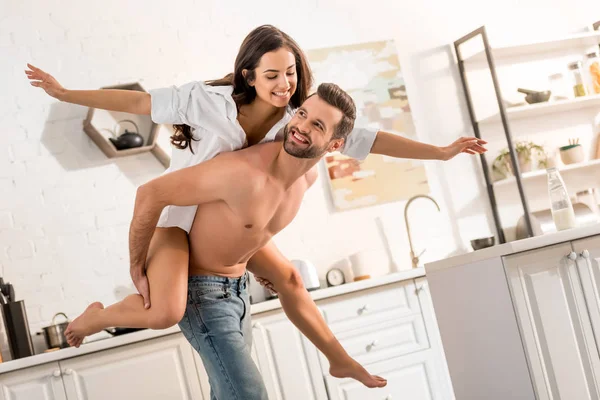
(526, 152)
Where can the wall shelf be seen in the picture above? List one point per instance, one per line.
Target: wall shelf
(542, 172)
(99, 123)
(581, 40)
(518, 53)
(551, 107)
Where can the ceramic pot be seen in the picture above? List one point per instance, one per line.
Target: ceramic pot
(572, 154)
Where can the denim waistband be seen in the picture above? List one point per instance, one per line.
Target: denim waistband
(231, 282)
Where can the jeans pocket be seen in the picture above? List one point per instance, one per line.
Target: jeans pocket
(206, 295)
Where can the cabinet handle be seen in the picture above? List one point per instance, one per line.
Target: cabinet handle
(585, 254)
(572, 256)
(56, 373)
(388, 397)
(68, 371)
(363, 309)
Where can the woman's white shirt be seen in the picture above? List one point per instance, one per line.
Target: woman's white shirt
(211, 112)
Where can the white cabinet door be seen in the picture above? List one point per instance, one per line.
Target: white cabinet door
(588, 263)
(409, 377)
(36, 383)
(443, 382)
(157, 369)
(554, 323)
(287, 361)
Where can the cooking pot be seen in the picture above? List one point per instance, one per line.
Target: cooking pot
(55, 333)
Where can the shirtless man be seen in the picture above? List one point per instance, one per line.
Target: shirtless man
(244, 198)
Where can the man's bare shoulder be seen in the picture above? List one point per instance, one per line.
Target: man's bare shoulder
(246, 166)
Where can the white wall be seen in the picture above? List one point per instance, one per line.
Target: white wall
(65, 208)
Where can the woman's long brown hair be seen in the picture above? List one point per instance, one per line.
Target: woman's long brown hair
(264, 39)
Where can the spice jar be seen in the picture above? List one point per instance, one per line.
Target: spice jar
(593, 68)
(558, 86)
(578, 84)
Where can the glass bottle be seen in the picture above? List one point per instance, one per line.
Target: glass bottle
(593, 68)
(578, 82)
(561, 206)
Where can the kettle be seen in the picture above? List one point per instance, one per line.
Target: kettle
(309, 275)
(127, 140)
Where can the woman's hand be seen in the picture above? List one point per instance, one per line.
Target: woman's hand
(266, 283)
(44, 80)
(468, 145)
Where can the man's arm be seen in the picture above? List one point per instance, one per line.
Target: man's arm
(203, 183)
(397, 146)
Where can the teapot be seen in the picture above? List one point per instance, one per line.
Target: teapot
(127, 140)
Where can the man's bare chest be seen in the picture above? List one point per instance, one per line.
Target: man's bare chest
(270, 211)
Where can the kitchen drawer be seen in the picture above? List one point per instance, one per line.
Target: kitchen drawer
(385, 340)
(372, 306)
(412, 377)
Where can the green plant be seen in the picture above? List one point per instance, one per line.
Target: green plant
(525, 150)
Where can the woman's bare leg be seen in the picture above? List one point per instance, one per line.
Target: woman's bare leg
(167, 271)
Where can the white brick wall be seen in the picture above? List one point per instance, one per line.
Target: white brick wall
(65, 208)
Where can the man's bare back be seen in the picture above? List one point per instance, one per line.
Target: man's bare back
(258, 206)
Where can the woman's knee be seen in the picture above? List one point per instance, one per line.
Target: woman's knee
(161, 317)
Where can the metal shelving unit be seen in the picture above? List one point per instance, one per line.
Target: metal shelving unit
(502, 116)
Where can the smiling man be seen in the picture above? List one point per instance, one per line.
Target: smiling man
(244, 198)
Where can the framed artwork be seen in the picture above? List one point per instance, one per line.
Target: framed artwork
(371, 74)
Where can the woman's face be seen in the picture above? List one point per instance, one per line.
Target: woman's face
(275, 77)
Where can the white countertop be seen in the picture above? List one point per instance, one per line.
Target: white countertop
(139, 336)
(514, 247)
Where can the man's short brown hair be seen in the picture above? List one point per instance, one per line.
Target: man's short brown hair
(333, 95)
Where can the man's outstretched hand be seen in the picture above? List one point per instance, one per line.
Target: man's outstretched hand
(465, 144)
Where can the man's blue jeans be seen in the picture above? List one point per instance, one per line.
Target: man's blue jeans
(217, 324)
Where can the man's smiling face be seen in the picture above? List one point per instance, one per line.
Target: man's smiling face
(309, 133)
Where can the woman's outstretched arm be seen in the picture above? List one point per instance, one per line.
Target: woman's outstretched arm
(131, 101)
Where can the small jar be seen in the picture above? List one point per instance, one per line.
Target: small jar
(558, 86)
(593, 68)
(589, 198)
(577, 80)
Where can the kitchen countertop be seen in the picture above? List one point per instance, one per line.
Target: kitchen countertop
(514, 247)
(112, 342)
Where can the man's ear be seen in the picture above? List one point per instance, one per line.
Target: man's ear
(245, 75)
(335, 145)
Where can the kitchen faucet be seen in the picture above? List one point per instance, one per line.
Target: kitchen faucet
(415, 258)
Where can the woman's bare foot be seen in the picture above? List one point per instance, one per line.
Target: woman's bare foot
(84, 325)
(352, 369)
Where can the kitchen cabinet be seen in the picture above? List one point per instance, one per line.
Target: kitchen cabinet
(392, 332)
(287, 360)
(389, 328)
(410, 377)
(549, 288)
(158, 369)
(587, 252)
(42, 382)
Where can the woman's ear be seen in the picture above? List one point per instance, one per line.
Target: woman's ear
(245, 75)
